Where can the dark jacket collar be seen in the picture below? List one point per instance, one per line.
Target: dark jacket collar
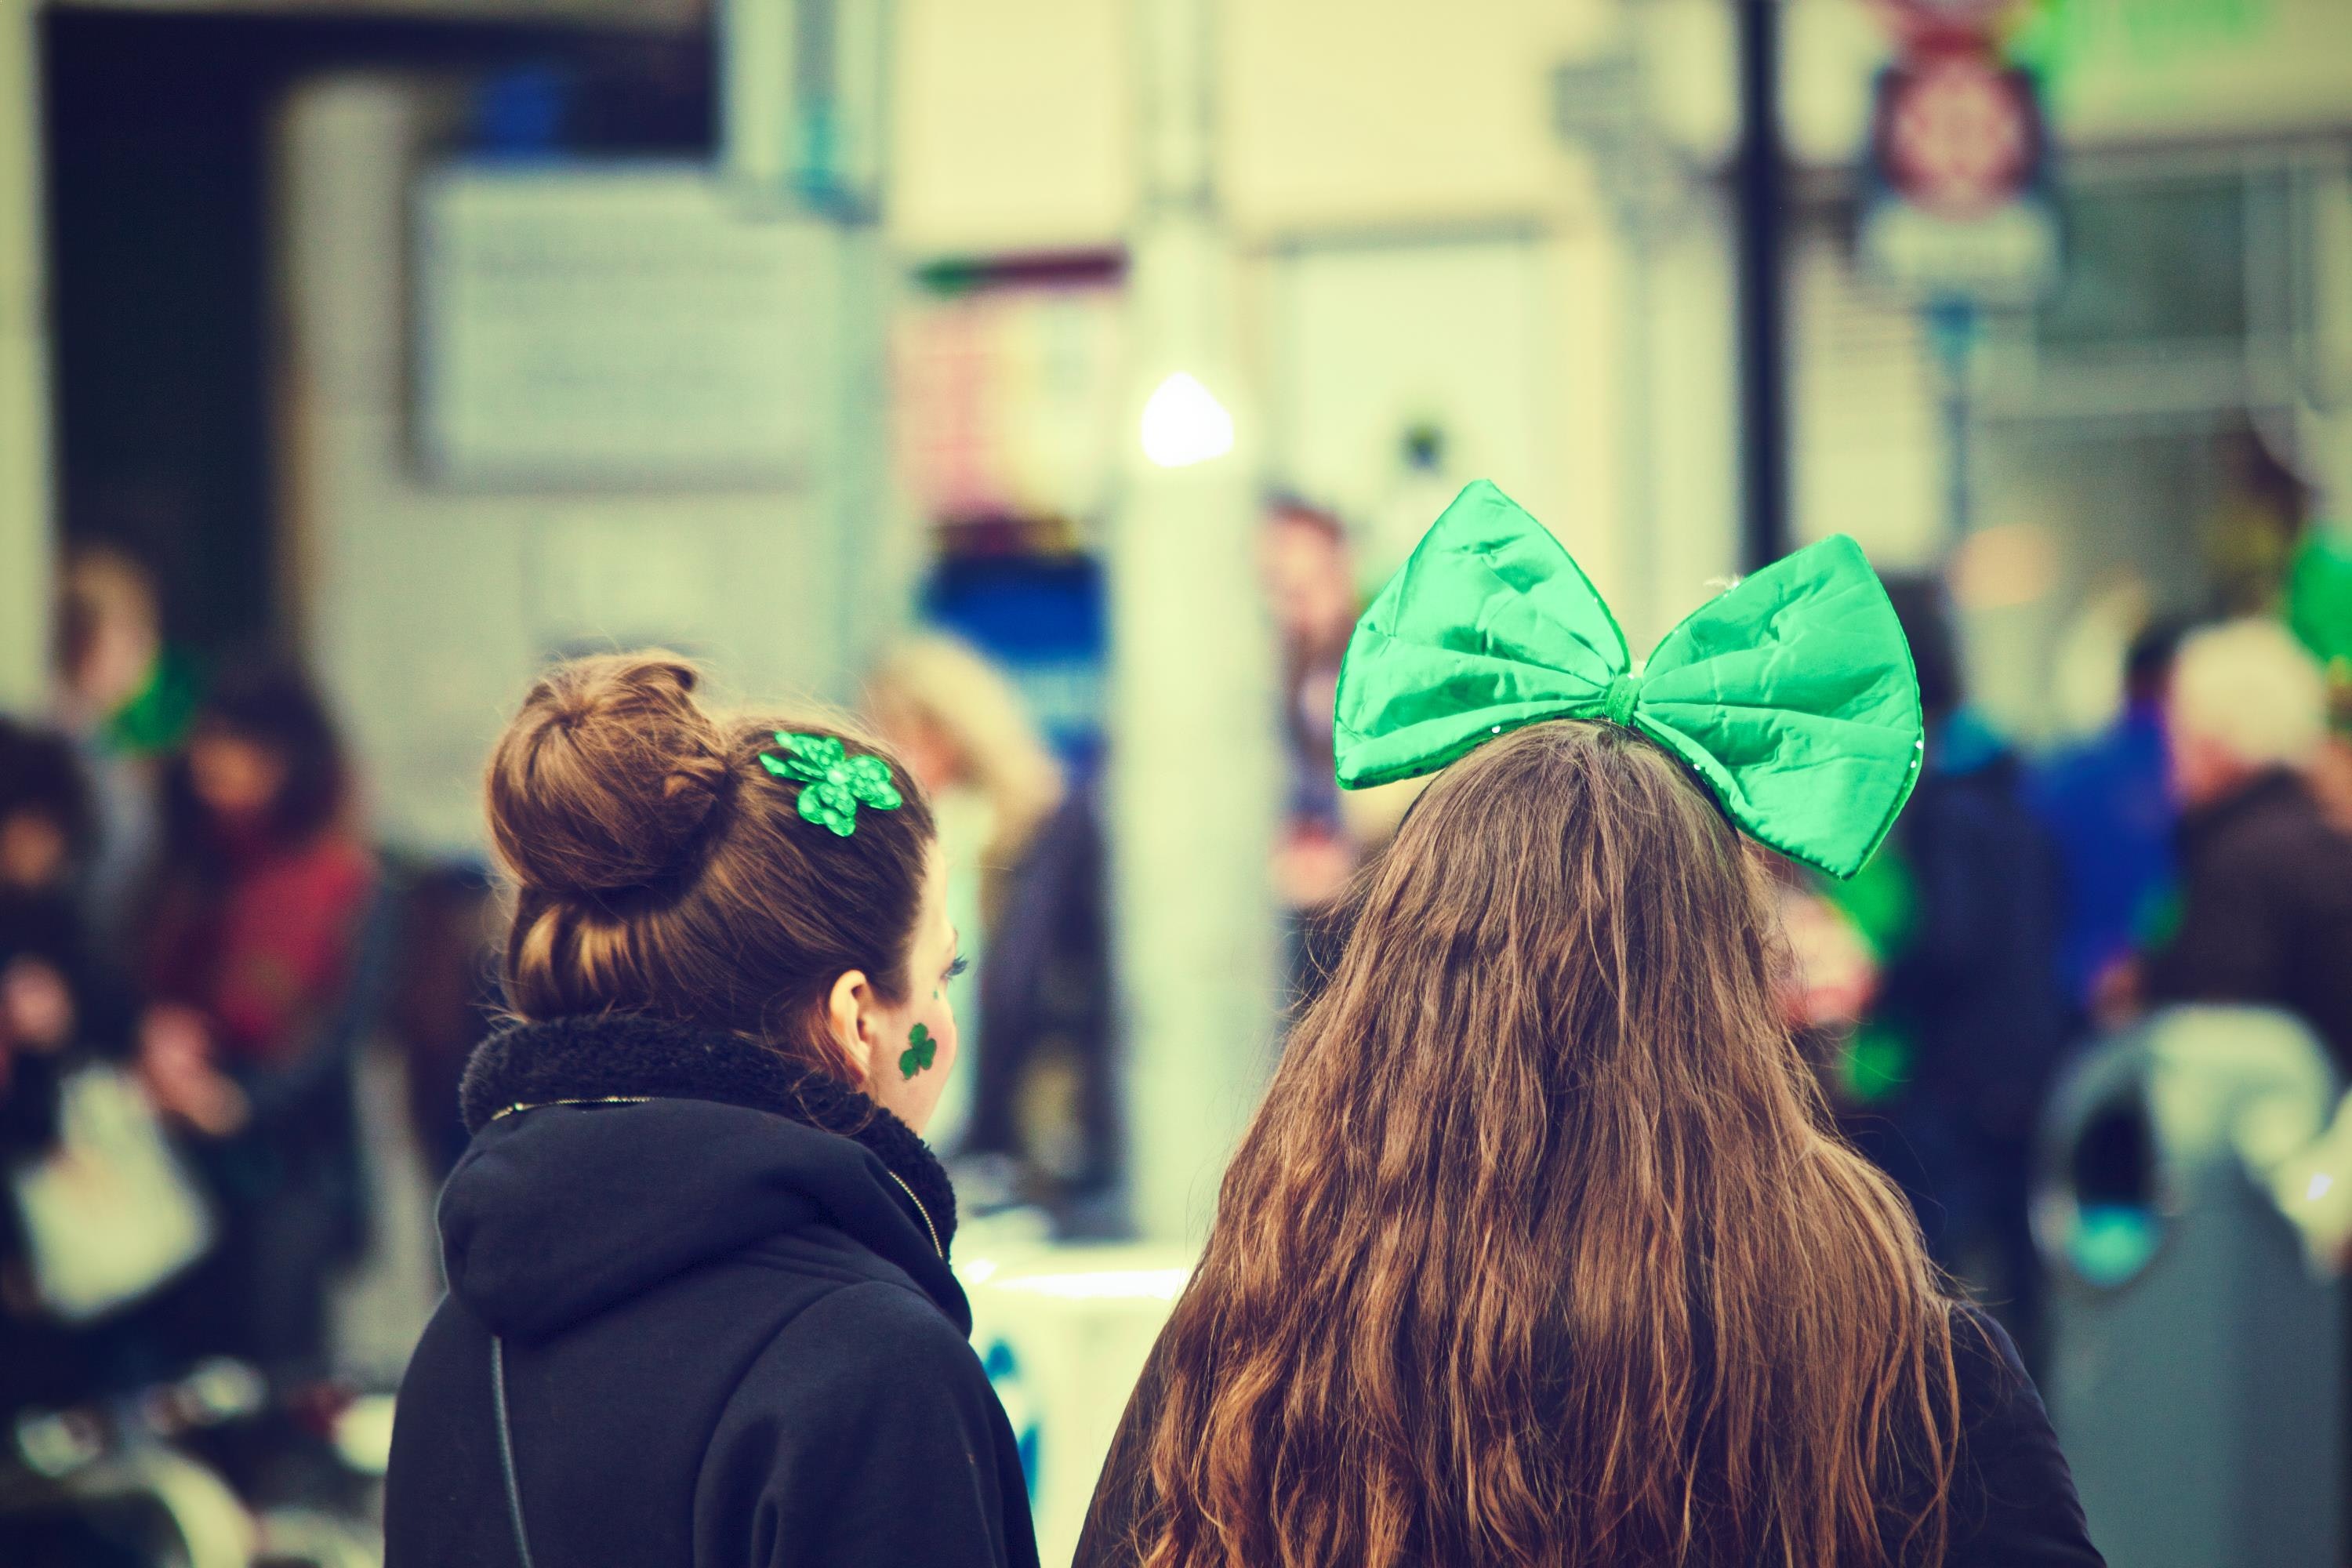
(615, 1057)
(2274, 793)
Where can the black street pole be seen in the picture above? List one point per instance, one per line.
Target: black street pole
(1762, 202)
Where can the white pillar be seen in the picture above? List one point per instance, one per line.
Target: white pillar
(805, 86)
(1195, 778)
(25, 532)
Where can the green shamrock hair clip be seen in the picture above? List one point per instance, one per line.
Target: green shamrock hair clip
(833, 784)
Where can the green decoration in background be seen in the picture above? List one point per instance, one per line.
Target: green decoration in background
(2156, 920)
(833, 784)
(1882, 900)
(1791, 695)
(918, 1056)
(2319, 608)
(1874, 1064)
(2066, 38)
(156, 719)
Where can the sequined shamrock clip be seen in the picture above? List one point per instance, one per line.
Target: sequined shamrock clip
(833, 784)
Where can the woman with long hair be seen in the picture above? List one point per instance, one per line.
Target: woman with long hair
(701, 1310)
(1540, 1249)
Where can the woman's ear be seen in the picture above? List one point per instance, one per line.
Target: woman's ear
(845, 1022)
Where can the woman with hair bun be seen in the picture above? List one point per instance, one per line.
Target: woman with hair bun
(699, 1305)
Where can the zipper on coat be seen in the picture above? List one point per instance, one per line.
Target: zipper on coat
(919, 1209)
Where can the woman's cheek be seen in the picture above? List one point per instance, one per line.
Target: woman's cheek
(951, 1040)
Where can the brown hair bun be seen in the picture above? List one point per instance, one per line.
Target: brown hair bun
(662, 871)
(608, 778)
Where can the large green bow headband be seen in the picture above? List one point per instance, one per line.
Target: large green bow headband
(1791, 695)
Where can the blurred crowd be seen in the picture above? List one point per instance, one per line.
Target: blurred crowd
(188, 905)
(201, 946)
(206, 960)
(2198, 849)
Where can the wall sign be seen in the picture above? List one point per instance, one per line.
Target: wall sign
(613, 325)
(1957, 170)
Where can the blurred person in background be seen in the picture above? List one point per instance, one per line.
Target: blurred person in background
(2265, 914)
(57, 1010)
(442, 998)
(252, 942)
(2108, 805)
(127, 697)
(700, 1307)
(95, 1214)
(1025, 865)
(2257, 523)
(56, 990)
(1305, 559)
(1944, 1078)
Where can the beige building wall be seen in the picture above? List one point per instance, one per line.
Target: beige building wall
(427, 604)
(24, 522)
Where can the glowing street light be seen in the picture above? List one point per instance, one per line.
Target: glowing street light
(1184, 424)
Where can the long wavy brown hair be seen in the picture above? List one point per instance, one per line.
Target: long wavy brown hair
(1540, 1250)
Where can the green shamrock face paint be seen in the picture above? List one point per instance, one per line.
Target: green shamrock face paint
(920, 1049)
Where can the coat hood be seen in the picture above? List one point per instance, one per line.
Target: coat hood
(611, 1155)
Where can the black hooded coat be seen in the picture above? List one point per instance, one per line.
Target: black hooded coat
(719, 1287)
